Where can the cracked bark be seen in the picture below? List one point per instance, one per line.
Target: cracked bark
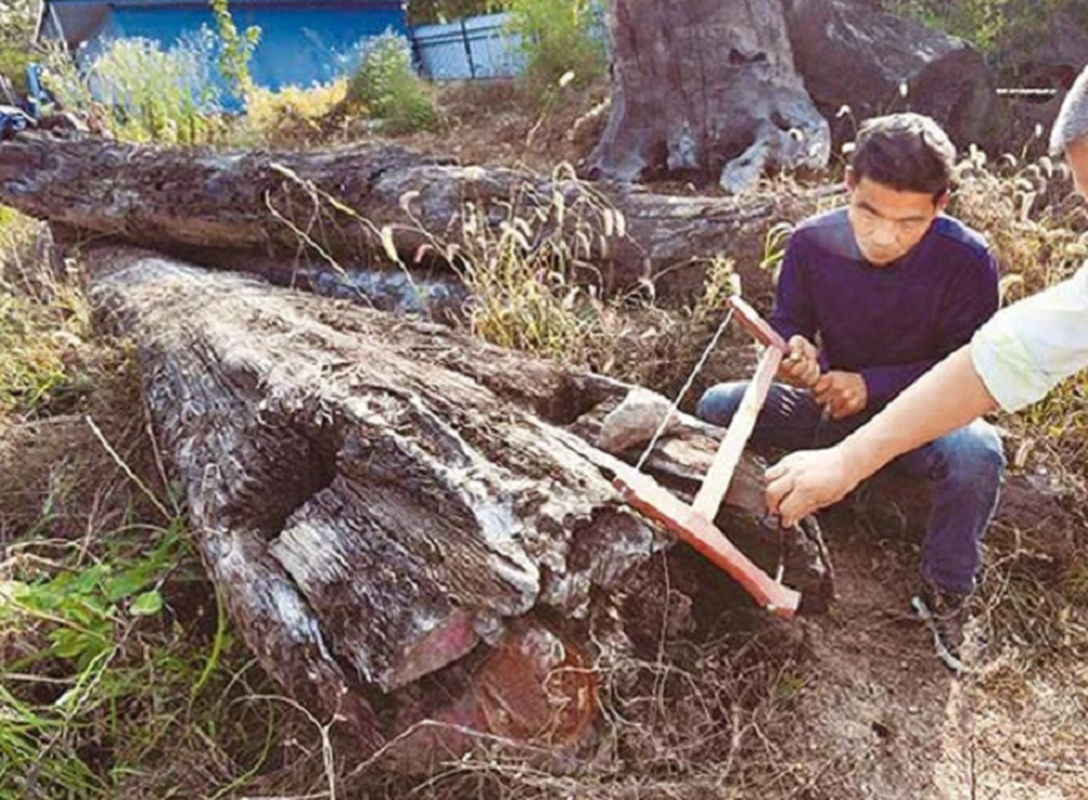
(242, 211)
(385, 502)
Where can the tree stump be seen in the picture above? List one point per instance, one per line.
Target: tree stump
(706, 91)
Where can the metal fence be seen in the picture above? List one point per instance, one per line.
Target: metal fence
(481, 47)
(468, 49)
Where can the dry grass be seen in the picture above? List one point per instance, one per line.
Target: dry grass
(1039, 230)
(681, 718)
(43, 324)
(114, 674)
(292, 117)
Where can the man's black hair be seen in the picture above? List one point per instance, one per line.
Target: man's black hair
(907, 152)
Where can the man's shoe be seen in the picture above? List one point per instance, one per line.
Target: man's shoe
(946, 615)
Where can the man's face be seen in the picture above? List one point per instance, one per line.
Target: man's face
(1076, 155)
(887, 222)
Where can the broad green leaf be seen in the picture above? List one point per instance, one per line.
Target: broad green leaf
(146, 604)
(126, 584)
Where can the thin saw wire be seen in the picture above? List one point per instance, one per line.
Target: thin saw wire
(684, 389)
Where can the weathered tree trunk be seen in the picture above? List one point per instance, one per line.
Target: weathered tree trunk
(706, 90)
(279, 213)
(382, 501)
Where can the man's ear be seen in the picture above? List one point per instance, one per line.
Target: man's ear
(941, 203)
(850, 178)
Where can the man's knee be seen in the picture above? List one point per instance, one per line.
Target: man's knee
(974, 451)
(719, 403)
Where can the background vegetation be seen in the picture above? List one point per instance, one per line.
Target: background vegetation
(994, 26)
(557, 40)
(16, 28)
(387, 88)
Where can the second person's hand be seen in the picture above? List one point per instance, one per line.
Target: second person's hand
(805, 481)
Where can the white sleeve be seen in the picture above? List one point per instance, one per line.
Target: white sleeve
(1028, 347)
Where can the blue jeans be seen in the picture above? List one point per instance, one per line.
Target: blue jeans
(964, 468)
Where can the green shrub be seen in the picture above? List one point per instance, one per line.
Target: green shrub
(556, 38)
(153, 95)
(991, 25)
(388, 87)
(13, 64)
(16, 30)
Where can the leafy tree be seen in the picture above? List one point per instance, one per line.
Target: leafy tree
(16, 29)
(424, 11)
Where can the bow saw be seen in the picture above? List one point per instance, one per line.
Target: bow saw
(694, 524)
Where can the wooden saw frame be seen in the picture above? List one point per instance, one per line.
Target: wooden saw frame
(694, 524)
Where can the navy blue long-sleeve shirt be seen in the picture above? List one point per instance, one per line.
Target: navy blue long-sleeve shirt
(889, 323)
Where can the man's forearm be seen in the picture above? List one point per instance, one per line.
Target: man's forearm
(947, 397)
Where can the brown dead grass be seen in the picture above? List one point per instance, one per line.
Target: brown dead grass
(496, 123)
(57, 477)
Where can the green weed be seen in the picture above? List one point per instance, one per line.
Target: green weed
(387, 88)
(102, 682)
(69, 695)
(142, 93)
(17, 21)
(557, 43)
(774, 246)
(235, 49)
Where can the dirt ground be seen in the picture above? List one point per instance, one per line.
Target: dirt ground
(887, 720)
(491, 122)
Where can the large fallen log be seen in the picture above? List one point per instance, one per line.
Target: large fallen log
(354, 205)
(383, 501)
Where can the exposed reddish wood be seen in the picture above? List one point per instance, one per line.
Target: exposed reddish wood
(761, 330)
(695, 529)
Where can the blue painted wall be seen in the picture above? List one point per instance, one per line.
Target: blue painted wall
(302, 43)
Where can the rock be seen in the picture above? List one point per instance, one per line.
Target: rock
(852, 55)
(634, 421)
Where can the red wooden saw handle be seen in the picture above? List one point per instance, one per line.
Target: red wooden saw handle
(749, 319)
(644, 494)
